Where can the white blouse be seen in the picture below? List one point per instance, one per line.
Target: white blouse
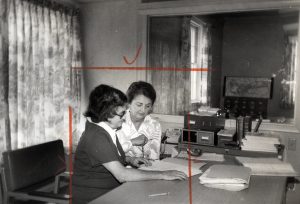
(150, 128)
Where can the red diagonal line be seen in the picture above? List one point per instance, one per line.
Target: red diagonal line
(136, 55)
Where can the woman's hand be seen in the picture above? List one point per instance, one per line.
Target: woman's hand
(137, 161)
(139, 141)
(174, 175)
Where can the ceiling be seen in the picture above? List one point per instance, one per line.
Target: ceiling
(88, 1)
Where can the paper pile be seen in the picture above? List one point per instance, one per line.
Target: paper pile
(228, 177)
(260, 143)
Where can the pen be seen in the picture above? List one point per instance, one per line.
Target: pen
(159, 194)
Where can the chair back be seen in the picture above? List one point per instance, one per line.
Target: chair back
(31, 165)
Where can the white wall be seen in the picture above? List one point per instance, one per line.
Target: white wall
(109, 32)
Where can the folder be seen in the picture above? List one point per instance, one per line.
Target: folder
(228, 177)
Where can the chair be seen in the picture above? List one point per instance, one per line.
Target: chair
(30, 173)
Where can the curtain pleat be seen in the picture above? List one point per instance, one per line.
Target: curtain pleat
(4, 122)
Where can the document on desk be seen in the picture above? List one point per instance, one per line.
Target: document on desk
(227, 177)
(175, 164)
(203, 157)
(268, 166)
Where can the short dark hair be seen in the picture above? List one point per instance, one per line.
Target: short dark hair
(103, 101)
(141, 88)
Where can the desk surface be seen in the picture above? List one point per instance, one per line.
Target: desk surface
(262, 189)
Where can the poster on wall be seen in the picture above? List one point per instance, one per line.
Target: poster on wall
(251, 87)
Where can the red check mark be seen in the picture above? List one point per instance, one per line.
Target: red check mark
(137, 54)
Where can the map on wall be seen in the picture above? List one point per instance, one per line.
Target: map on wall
(252, 87)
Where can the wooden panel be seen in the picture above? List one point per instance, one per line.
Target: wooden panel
(164, 52)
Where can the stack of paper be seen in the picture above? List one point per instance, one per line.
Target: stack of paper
(228, 177)
(227, 132)
(205, 111)
(268, 166)
(260, 143)
(175, 164)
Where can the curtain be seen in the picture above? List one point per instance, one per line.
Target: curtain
(43, 46)
(170, 48)
(288, 84)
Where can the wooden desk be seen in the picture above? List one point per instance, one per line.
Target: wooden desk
(262, 190)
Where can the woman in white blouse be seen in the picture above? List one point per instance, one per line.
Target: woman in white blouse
(140, 135)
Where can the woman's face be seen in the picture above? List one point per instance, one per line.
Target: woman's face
(116, 121)
(140, 107)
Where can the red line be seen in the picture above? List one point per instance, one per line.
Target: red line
(178, 69)
(189, 160)
(70, 153)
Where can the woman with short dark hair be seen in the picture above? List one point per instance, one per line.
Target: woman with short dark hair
(141, 88)
(140, 135)
(99, 159)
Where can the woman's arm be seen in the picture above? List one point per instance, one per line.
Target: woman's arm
(123, 174)
(141, 140)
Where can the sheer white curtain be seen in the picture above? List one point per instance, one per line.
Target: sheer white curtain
(288, 83)
(200, 58)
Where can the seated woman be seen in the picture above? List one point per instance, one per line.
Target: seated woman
(99, 159)
(140, 135)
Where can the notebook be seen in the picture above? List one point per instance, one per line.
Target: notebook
(228, 177)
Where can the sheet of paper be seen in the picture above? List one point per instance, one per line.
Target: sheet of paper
(212, 157)
(268, 166)
(175, 164)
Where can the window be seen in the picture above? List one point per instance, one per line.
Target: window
(199, 59)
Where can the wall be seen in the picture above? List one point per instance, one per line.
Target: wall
(109, 33)
(254, 47)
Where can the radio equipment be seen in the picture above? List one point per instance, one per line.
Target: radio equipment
(198, 137)
(201, 130)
